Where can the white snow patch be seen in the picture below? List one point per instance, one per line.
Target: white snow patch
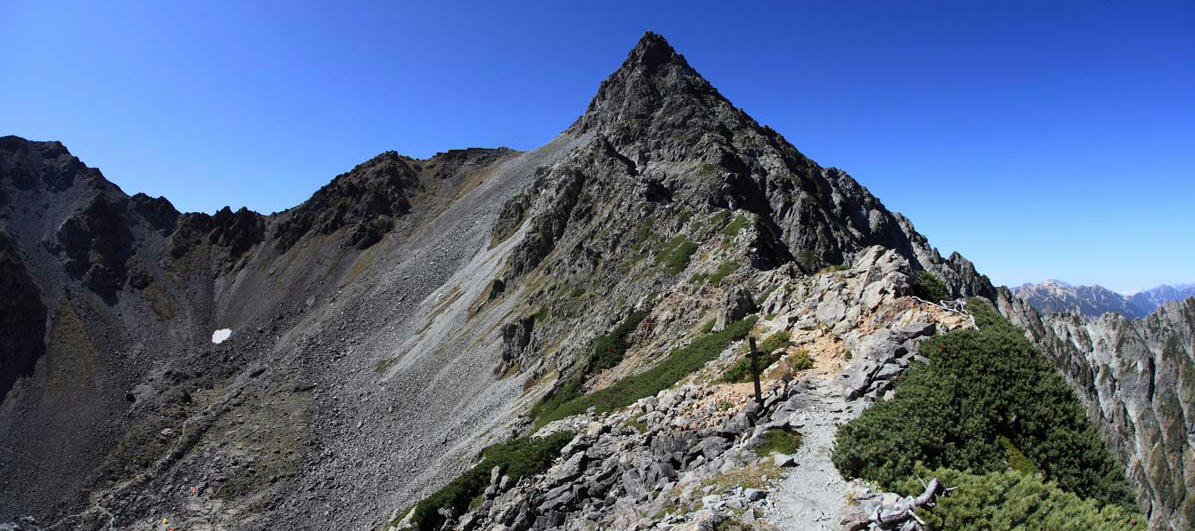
(220, 335)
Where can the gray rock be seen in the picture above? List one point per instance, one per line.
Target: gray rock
(735, 425)
(569, 470)
(711, 501)
(558, 498)
(784, 460)
(735, 305)
(713, 446)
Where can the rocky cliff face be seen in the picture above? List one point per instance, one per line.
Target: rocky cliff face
(1137, 377)
(23, 321)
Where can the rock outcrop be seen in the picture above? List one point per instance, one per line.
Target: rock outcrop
(1137, 379)
(22, 317)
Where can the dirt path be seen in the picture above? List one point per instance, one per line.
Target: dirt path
(811, 496)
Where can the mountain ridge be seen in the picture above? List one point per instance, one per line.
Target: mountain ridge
(1055, 296)
(411, 312)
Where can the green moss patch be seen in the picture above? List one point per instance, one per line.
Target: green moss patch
(740, 222)
(715, 277)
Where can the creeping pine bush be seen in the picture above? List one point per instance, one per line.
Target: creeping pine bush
(1014, 500)
(740, 222)
(608, 349)
(715, 278)
(928, 287)
(675, 253)
(568, 400)
(983, 394)
(516, 458)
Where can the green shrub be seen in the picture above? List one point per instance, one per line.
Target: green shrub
(572, 389)
(929, 287)
(833, 269)
(517, 458)
(715, 277)
(709, 170)
(740, 222)
(769, 352)
(774, 342)
(800, 361)
(777, 441)
(981, 385)
(608, 351)
(609, 348)
(1013, 500)
(675, 253)
(663, 375)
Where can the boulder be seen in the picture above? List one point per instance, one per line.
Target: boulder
(736, 304)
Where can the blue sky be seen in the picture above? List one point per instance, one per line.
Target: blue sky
(1039, 139)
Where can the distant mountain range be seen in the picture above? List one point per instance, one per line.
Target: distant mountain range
(1055, 296)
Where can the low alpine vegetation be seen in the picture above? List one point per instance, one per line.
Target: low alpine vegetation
(927, 286)
(608, 349)
(569, 400)
(987, 401)
(517, 458)
(769, 351)
(1013, 500)
(715, 278)
(674, 256)
(777, 441)
(740, 222)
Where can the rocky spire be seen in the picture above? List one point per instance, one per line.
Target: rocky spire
(651, 52)
(653, 77)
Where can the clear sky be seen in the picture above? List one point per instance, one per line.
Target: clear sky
(1040, 139)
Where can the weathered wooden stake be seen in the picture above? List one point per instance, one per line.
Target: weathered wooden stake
(755, 370)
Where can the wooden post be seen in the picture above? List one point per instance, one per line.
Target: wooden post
(755, 370)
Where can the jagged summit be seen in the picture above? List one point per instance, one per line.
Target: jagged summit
(653, 81)
(653, 51)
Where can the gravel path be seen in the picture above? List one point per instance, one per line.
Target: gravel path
(811, 496)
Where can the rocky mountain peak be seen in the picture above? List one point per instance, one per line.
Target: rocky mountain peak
(653, 51)
(653, 79)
